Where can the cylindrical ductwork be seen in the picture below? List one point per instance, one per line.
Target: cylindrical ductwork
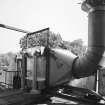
(94, 58)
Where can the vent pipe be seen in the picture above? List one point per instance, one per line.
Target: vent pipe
(94, 58)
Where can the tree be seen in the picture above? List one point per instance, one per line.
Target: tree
(77, 47)
(53, 41)
(41, 39)
(5, 59)
(65, 45)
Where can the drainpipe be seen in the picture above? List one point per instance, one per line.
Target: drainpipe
(34, 77)
(94, 58)
(97, 81)
(23, 72)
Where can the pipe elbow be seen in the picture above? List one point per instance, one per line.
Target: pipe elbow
(88, 64)
(95, 57)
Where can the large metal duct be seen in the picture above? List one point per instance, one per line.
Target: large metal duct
(94, 58)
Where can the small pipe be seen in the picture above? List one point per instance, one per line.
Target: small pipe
(13, 28)
(45, 29)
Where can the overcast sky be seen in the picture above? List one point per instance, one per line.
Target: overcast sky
(62, 16)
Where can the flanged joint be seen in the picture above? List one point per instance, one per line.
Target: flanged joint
(90, 5)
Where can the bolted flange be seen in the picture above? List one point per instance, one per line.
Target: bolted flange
(91, 5)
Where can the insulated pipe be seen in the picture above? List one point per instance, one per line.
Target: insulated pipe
(94, 58)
